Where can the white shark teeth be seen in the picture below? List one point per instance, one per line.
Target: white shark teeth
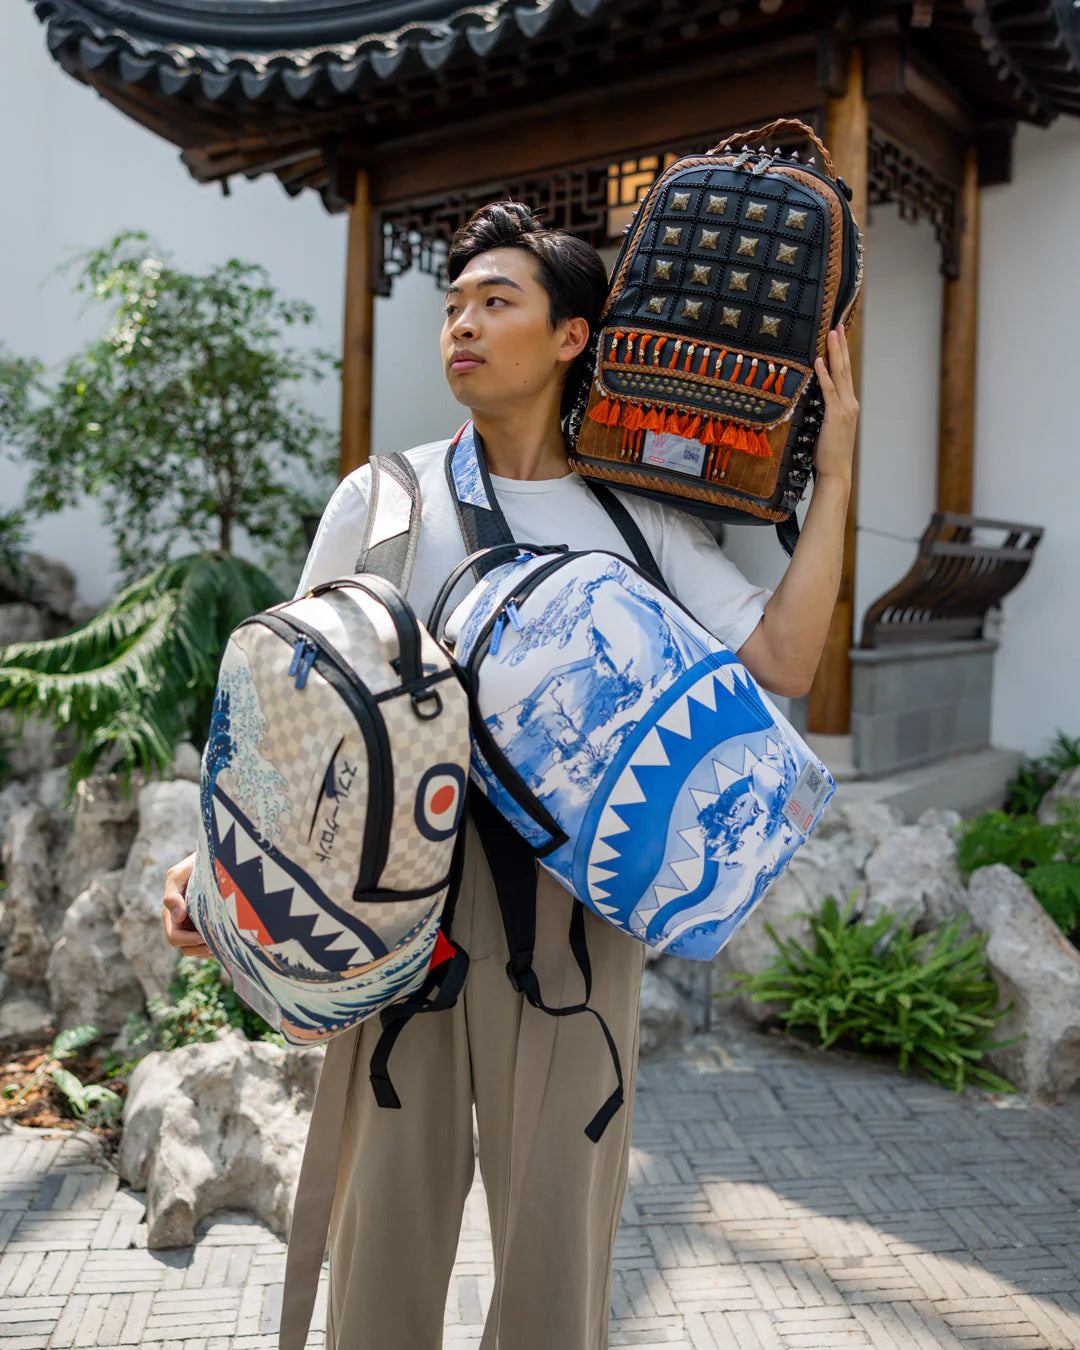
(276, 878)
(650, 752)
(302, 903)
(345, 942)
(606, 909)
(224, 820)
(599, 874)
(724, 776)
(325, 926)
(663, 895)
(704, 799)
(677, 719)
(689, 871)
(726, 676)
(626, 792)
(749, 759)
(602, 852)
(610, 824)
(705, 691)
(771, 747)
(246, 847)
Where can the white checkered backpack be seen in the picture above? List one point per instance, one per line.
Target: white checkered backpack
(333, 785)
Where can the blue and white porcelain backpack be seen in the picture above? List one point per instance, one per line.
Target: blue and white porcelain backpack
(333, 785)
(628, 747)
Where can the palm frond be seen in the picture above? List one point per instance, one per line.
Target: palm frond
(134, 678)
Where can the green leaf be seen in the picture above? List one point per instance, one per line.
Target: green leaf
(73, 1039)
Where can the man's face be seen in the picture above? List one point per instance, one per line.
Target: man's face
(498, 346)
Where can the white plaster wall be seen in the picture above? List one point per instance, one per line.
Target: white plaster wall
(1027, 464)
(76, 171)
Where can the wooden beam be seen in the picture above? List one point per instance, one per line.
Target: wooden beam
(956, 413)
(846, 135)
(701, 100)
(359, 333)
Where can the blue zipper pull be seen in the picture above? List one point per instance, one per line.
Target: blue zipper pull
(514, 616)
(496, 634)
(297, 653)
(306, 663)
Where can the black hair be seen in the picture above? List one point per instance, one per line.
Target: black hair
(570, 270)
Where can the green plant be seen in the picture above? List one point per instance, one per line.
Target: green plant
(140, 675)
(199, 1003)
(15, 578)
(1047, 857)
(1037, 775)
(928, 1000)
(92, 1102)
(179, 419)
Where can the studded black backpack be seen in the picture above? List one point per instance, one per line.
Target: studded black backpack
(736, 266)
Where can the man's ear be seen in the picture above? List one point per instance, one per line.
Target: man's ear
(575, 339)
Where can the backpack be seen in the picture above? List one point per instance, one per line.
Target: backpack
(332, 787)
(703, 392)
(628, 747)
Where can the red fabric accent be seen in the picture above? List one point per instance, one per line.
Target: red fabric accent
(246, 917)
(442, 951)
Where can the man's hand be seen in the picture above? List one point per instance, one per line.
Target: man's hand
(179, 930)
(836, 443)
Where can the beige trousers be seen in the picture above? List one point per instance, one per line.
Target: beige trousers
(402, 1176)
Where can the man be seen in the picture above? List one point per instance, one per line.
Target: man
(520, 307)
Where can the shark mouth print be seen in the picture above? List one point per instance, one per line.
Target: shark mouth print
(690, 828)
(278, 910)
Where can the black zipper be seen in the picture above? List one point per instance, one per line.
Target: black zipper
(361, 703)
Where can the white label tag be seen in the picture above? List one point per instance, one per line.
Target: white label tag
(807, 798)
(257, 998)
(668, 451)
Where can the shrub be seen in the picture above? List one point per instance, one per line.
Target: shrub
(1047, 857)
(928, 1000)
(1038, 774)
(199, 1003)
(140, 675)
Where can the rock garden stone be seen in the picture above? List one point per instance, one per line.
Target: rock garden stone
(220, 1125)
(90, 979)
(1034, 963)
(30, 920)
(25, 1018)
(22, 623)
(104, 823)
(187, 762)
(912, 871)
(665, 1015)
(168, 824)
(1067, 786)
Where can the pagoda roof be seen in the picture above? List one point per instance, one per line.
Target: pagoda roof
(256, 86)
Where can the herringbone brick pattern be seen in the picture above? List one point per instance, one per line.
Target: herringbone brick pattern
(779, 1199)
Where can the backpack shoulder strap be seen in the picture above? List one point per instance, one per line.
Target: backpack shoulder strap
(393, 521)
(628, 527)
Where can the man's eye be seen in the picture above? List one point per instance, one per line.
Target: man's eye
(496, 300)
(450, 309)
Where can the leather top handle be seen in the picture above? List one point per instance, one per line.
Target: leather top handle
(761, 134)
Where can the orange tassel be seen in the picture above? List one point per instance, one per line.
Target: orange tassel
(616, 338)
(631, 418)
(675, 354)
(734, 377)
(601, 411)
(769, 378)
(703, 369)
(691, 427)
(719, 363)
(753, 371)
(780, 380)
(689, 356)
(757, 445)
(652, 421)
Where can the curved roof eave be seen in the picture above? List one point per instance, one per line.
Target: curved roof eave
(219, 54)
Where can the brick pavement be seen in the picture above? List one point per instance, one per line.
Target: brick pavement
(779, 1199)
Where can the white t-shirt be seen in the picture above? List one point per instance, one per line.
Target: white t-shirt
(543, 511)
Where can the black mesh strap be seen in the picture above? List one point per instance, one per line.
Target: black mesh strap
(439, 991)
(628, 527)
(513, 870)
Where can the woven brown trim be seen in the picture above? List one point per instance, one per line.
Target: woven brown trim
(696, 491)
